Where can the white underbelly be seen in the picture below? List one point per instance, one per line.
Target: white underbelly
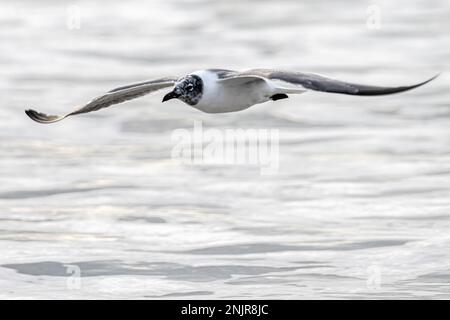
(225, 98)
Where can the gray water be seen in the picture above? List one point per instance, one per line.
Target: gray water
(95, 207)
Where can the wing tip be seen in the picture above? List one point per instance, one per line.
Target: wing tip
(420, 84)
(378, 91)
(41, 117)
(431, 79)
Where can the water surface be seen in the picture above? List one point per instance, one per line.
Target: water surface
(360, 205)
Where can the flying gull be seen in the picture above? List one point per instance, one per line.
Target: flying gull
(220, 90)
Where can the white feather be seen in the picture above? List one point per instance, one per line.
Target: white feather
(235, 94)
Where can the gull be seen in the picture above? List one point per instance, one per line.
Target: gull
(221, 90)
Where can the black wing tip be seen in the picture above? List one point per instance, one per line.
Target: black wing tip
(378, 91)
(407, 88)
(41, 117)
(33, 114)
(426, 81)
(437, 75)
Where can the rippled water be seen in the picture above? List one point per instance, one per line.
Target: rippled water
(359, 208)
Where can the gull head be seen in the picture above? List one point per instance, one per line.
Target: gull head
(188, 89)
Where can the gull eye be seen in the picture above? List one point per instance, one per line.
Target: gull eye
(190, 87)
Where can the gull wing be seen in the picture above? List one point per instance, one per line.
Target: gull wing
(110, 98)
(320, 83)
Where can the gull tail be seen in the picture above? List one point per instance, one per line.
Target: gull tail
(42, 117)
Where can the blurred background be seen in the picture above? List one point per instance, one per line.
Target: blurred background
(94, 206)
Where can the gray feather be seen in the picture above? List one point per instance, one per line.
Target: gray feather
(112, 97)
(324, 84)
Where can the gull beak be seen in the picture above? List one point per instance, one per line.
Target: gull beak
(170, 95)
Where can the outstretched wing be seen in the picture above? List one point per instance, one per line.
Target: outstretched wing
(112, 97)
(320, 83)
